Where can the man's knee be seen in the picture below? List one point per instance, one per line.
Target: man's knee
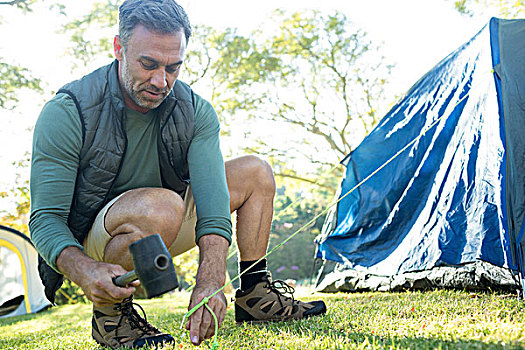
(250, 173)
(149, 210)
(264, 171)
(259, 171)
(160, 202)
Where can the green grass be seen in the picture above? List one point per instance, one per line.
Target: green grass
(411, 320)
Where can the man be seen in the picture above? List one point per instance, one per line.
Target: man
(128, 151)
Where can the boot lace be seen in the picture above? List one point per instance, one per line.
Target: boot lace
(282, 289)
(135, 320)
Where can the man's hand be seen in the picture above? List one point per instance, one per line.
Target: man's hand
(202, 324)
(94, 277)
(210, 277)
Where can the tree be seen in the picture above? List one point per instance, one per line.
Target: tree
(503, 8)
(21, 4)
(19, 194)
(318, 77)
(84, 47)
(14, 77)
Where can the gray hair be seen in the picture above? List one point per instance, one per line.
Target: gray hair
(159, 16)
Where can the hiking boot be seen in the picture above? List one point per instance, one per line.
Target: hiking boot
(120, 325)
(267, 302)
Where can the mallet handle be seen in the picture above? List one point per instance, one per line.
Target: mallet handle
(125, 279)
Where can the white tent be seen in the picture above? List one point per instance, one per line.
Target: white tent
(21, 291)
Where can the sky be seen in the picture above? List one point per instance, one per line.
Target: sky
(414, 35)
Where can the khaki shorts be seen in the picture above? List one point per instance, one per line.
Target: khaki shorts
(98, 237)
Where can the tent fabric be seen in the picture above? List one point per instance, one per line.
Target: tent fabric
(444, 200)
(509, 65)
(21, 291)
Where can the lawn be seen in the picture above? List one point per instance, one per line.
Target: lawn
(410, 320)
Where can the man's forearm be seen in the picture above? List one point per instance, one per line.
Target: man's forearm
(210, 278)
(212, 260)
(95, 278)
(74, 263)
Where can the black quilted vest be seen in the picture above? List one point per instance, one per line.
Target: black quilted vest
(101, 108)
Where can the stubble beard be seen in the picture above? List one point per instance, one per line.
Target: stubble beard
(133, 91)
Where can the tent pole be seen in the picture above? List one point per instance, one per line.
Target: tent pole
(522, 286)
(520, 271)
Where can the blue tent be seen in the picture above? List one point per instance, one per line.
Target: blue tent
(434, 196)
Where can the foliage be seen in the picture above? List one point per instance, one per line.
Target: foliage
(24, 5)
(212, 56)
(70, 293)
(12, 79)
(499, 8)
(19, 218)
(293, 260)
(186, 266)
(19, 194)
(410, 320)
(317, 76)
(84, 47)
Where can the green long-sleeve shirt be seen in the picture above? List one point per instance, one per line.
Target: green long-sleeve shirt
(57, 142)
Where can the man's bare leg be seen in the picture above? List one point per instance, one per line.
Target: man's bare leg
(147, 211)
(252, 188)
(137, 214)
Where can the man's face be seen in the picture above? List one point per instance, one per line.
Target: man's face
(149, 66)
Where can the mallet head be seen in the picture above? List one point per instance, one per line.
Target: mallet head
(153, 267)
